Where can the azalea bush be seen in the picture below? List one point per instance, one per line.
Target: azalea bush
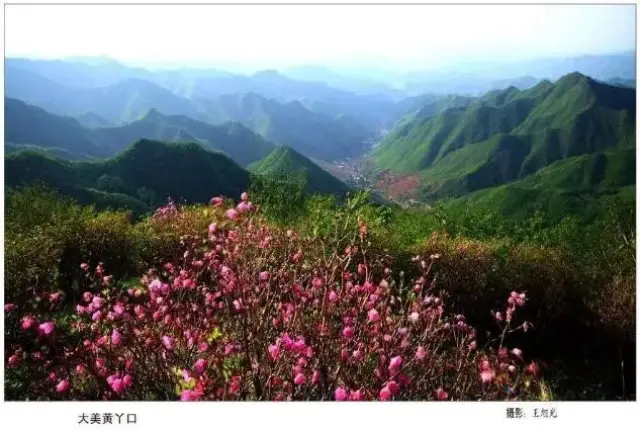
(249, 311)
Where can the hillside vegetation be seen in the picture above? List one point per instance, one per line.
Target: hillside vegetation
(509, 134)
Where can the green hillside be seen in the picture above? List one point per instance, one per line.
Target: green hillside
(509, 134)
(580, 186)
(143, 176)
(286, 162)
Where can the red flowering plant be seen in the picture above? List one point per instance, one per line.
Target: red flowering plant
(254, 312)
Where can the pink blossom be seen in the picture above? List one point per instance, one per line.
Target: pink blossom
(96, 316)
(242, 207)
(14, 360)
(274, 352)
(118, 309)
(63, 386)
(80, 309)
(47, 328)
(315, 378)
(264, 276)
(97, 301)
(8, 308)
(517, 352)
(533, 368)
(333, 296)
(487, 376)
(414, 317)
(127, 380)
(512, 368)
(231, 214)
(356, 395)
(441, 394)
(203, 347)
(189, 395)
(244, 196)
(385, 394)
(395, 363)
(421, 353)
(28, 322)
(217, 201)
(200, 366)
(84, 266)
(167, 342)
(347, 332)
(373, 315)
(340, 394)
(299, 379)
(80, 369)
(116, 338)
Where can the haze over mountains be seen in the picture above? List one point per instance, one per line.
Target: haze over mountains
(451, 132)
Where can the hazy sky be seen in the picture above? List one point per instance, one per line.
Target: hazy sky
(400, 37)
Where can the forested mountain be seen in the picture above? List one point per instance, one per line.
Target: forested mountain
(140, 178)
(66, 134)
(285, 162)
(509, 134)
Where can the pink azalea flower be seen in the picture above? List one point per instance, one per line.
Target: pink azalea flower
(517, 352)
(487, 376)
(47, 328)
(242, 207)
(395, 363)
(116, 338)
(421, 353)
(299, 379)
(414, 317)
(340, 394)
(14, 360)
(333, 296)
(264, 276)
(217, 201)
(356, 395)
(80, 369)
(231, 214)
(347, 332)
(8, 308)
(189, 395)
(441, 395)
(28, 322)
(167, 342)
(127, 380)
(63, 386)
(385, 394)
(96, 316)
(118, 309)
(200, 366)
(373, 315)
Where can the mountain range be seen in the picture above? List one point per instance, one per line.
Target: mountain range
(509, 134)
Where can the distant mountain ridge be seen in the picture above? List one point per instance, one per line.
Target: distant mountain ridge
(29, 125)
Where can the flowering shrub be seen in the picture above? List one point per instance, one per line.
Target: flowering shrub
(253, 312)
